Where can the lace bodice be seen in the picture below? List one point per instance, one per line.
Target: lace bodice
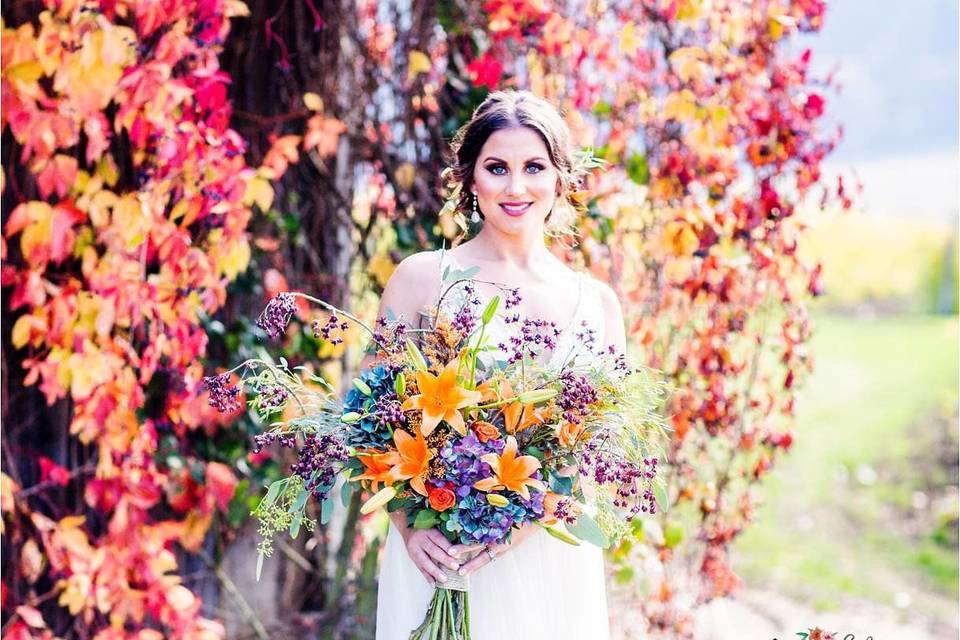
(573, 341)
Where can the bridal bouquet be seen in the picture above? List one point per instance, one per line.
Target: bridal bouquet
(474, 439)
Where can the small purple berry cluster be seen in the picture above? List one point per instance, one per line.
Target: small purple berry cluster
(288, 440)
(386, 411)
(390, 338)
(535, 335)
(276, 316)
(586, 336)
(319, 461)
(331, 330)
(273, 397)
(634, 481)
(224, 397)
(576, 396)
(564, 511)
(464, 320)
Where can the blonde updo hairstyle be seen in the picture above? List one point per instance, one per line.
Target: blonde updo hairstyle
(511, 109)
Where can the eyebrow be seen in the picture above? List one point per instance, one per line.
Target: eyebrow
(504, 161)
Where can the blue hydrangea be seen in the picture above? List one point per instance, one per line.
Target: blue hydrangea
(383, 405)
(474, 519)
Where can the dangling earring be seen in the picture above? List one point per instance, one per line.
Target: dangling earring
(475, 217)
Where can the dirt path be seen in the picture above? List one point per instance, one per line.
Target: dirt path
(764, 615)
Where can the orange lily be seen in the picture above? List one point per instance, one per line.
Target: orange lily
(569, 433)
(377, 466)
(412, 460)
(441, 399)
(518, 416)
(511, 471)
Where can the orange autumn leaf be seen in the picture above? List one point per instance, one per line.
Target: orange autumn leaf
(441, 399)
(511, 471)
(412, 460)
(323, 135)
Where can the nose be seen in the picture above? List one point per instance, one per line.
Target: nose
(515, 186)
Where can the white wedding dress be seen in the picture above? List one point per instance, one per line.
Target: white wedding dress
(543, 589)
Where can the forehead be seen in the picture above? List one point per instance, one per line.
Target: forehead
(515, 143)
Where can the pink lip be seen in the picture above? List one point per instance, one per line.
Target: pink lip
(526, 206)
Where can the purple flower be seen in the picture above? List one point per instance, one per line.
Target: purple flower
(276, 316)
(224, 397)
(319, 461)
(633, 481)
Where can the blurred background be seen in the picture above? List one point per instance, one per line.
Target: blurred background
(779, 212)
(860, 522)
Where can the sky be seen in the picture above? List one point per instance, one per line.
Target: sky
(898, 64)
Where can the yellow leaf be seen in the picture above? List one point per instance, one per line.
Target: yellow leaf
(680, 106)
(381, 267)
(689, 62)
(31, 616)
(29, 71)
(405, 175)
(31, 561)
(235, 9)
(629, 40)
(417, 63)
(259, 191)
(313, 101)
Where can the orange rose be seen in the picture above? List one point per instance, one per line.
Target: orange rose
(441, 499)
(485, 431)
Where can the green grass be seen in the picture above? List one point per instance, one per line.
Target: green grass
(818, 536)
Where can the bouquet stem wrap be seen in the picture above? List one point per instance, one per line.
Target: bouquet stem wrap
(448, 616)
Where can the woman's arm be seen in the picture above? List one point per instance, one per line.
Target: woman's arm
(410, 290)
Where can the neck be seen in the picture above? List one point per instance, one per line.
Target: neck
(519, 251)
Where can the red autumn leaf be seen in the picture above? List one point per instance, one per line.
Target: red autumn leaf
(57, 176)
(221, 483)
(53, 472)
(485, 71)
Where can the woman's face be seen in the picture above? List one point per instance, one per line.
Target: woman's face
(514, 181)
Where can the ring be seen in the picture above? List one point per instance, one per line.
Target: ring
(491, 553)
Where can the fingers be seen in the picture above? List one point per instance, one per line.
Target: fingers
(440, 555)
(461, 550)
(482, 559)
(439, 539)
(427, 566)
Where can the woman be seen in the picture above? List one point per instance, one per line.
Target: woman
(514, 164)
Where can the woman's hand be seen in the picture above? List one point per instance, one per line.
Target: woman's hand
(430, 550)
(483, 558)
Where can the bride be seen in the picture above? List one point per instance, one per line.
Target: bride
(514, 163)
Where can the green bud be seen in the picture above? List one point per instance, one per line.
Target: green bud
(490, 310)
(497, 500)
(560, 532)
(535, 396)
(350, 417)
(415, 356)
(362, 387)
(400, 385)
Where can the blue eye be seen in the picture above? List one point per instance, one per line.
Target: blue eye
(494, 168)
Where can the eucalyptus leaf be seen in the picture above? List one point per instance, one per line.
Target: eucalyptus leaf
(660, 493)
(586, 528)
(326, 509)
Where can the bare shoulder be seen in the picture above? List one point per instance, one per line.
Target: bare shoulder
(412, 285)
(416, 266)
(614, 329)
(609, 297)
